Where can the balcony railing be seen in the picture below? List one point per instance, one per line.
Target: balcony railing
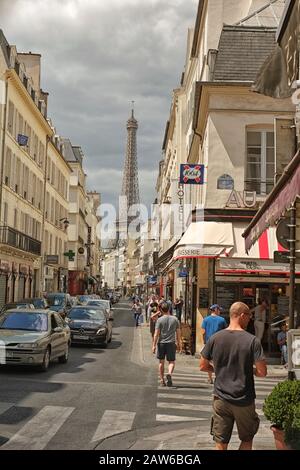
(10, 236)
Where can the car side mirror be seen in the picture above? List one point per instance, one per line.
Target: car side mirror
(58, 329)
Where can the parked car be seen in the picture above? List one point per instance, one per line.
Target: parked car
(34, 337)
(102, 303)
(23, 304)
(59, 302)
(83, 299)
(90, 325)
(38, 302)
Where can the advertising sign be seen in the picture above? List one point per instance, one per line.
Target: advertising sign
(22, 140)
(191, 174)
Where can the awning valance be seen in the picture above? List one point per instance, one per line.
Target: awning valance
(281, 199)
(205, 240)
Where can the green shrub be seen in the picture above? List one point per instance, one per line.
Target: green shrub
(292, 432)
(279, 407)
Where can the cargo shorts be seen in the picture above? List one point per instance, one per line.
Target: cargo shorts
(224, 417)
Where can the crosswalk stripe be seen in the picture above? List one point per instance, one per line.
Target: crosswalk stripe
(113, 422)
(174, 419)
(193, 397)
(36, 434)
(182, 406)
(5, 406)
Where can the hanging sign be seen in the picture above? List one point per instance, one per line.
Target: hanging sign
(191, 174)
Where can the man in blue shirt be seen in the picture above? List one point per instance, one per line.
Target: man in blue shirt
(211, 325)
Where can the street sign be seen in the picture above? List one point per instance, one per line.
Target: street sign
(22, 140)
(70, 254)
(282, 257)
(191, 174)
(183, 274)
(52, 259)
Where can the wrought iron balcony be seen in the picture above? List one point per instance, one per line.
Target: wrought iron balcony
(10, 236)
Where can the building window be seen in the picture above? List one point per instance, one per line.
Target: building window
(260, 168)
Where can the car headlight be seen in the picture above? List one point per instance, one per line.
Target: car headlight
(27, 346)
(101, 330)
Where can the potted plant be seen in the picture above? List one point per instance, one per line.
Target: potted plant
(292, 433)
(281, 408)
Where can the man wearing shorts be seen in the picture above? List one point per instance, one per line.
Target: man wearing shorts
(167, 334)
(237, 356)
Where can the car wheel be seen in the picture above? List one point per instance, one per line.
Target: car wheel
(64, 358)
(46, 361)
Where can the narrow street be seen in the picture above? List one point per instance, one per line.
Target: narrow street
(110, 399)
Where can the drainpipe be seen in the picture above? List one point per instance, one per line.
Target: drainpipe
(42, 277)
(3, 145)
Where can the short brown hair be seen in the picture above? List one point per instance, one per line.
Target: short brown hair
(237, 309)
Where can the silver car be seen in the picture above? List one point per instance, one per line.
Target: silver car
(101, 303)
(33, 338)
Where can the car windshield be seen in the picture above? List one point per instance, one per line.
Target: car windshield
(100, 303)
(38, 303)
(86, 314)
(24, 321)
(55, 300)
(83, 298)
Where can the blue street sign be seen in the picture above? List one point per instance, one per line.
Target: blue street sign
(22, 140)
(183, 274)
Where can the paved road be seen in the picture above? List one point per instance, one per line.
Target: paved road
(108, 399)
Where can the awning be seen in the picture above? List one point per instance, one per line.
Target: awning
(281, 199)
(205, 240)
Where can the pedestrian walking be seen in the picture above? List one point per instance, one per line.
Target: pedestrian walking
(282, 343)
(211, 325)
(137, 312)
(167, 334)
(260, 318)
(234, 352)
(178, 308)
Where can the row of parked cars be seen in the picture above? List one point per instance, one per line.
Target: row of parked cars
(37, 331)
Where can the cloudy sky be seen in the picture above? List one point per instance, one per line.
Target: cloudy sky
(97, 56)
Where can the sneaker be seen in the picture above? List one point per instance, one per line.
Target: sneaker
(169, 380)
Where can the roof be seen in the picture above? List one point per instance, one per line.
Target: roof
(5, 47)
(242, 52)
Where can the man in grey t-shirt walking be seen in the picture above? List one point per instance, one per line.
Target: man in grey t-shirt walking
(167, 334)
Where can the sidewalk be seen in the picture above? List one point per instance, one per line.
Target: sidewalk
(192, 362)
(192, 435)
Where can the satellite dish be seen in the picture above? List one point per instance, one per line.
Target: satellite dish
(283, 233)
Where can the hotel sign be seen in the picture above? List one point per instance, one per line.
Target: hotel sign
(191, 174)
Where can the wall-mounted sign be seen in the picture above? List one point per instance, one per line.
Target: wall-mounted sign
(225, 182)
(191, 174)
(52, 259)
(241, 199)
(22, 140)
(183, 274)
(152, 280)
(81, 251)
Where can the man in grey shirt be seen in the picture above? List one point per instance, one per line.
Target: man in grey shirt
(167, 334)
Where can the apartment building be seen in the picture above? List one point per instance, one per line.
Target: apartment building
(217, 121)
(24, 137)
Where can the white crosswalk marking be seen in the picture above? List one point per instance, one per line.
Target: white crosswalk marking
(191, 394)
(37, 433)
(174, 419)
(113, 422)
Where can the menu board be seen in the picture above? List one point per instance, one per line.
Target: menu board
(283, 305)
(203, 298)
(227, 294)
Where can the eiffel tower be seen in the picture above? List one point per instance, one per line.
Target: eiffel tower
(130, 186)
